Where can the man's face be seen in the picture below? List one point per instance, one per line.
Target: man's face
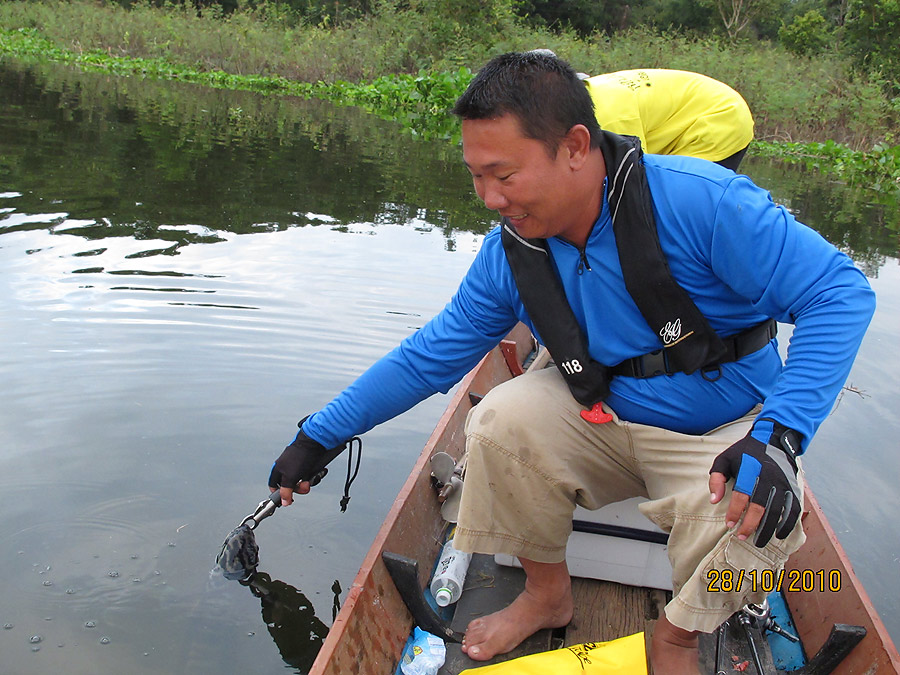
(516, 177)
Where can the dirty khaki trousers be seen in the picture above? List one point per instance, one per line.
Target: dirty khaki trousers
(532, 458)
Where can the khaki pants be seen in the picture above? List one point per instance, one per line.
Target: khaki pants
(532, 458)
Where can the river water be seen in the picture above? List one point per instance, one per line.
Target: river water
(184, 273)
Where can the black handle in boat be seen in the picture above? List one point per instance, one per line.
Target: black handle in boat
(405, 573)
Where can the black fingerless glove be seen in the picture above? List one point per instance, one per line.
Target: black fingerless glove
(768, 473)
(303, 460)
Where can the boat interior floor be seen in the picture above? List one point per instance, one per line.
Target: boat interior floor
(603, 611)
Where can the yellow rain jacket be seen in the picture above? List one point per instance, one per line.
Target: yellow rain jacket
(673, 112)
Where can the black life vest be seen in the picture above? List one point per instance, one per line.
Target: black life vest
(689, 342)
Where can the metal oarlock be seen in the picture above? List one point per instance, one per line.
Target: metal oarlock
(761, 617)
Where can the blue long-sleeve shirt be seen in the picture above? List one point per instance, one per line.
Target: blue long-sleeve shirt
(740, 257)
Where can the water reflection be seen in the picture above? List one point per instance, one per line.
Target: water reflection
(290, 619)
(157, 159)
(862, 223)
(183, 164)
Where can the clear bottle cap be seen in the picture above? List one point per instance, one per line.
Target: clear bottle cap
(443, 597)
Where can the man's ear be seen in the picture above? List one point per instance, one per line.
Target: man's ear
(577, 145)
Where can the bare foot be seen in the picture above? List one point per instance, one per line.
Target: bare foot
(673, 649)
(546, 602)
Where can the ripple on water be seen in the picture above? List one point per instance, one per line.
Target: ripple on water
(101, 556)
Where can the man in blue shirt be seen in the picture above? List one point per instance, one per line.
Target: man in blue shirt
(671, 271)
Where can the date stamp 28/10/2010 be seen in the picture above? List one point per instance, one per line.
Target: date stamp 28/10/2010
(767, 581)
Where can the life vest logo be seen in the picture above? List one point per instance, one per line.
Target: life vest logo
(671, 332)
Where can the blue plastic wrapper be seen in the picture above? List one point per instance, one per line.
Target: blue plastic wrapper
(423, 654)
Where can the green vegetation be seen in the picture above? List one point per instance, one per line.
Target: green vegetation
(419, 102)
(408, 60)
(807, 35)
(879, 168)
(871, 31)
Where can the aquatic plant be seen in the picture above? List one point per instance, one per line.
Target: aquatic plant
(878, 168)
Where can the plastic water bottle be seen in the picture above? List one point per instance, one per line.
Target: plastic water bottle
(450, 575)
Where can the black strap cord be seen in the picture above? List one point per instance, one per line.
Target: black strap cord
(352, 471)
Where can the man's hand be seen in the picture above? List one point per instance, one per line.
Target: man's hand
(300, 466)
(765, 485)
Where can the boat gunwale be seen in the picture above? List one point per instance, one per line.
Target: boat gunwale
(815, 611)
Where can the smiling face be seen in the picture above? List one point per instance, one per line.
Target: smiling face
(542, 195)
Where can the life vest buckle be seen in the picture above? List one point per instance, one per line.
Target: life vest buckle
(596, 414)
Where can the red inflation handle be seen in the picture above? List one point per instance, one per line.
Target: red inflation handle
(596, 414)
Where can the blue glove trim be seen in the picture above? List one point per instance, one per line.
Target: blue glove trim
(747, 474)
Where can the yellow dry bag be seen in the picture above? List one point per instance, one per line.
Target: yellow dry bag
(625, 656)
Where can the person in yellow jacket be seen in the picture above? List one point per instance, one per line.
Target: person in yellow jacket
(674, 112)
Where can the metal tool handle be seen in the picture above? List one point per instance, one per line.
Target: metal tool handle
(272, 501)
(265, 509)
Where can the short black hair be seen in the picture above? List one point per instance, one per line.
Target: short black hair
(539, 88)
